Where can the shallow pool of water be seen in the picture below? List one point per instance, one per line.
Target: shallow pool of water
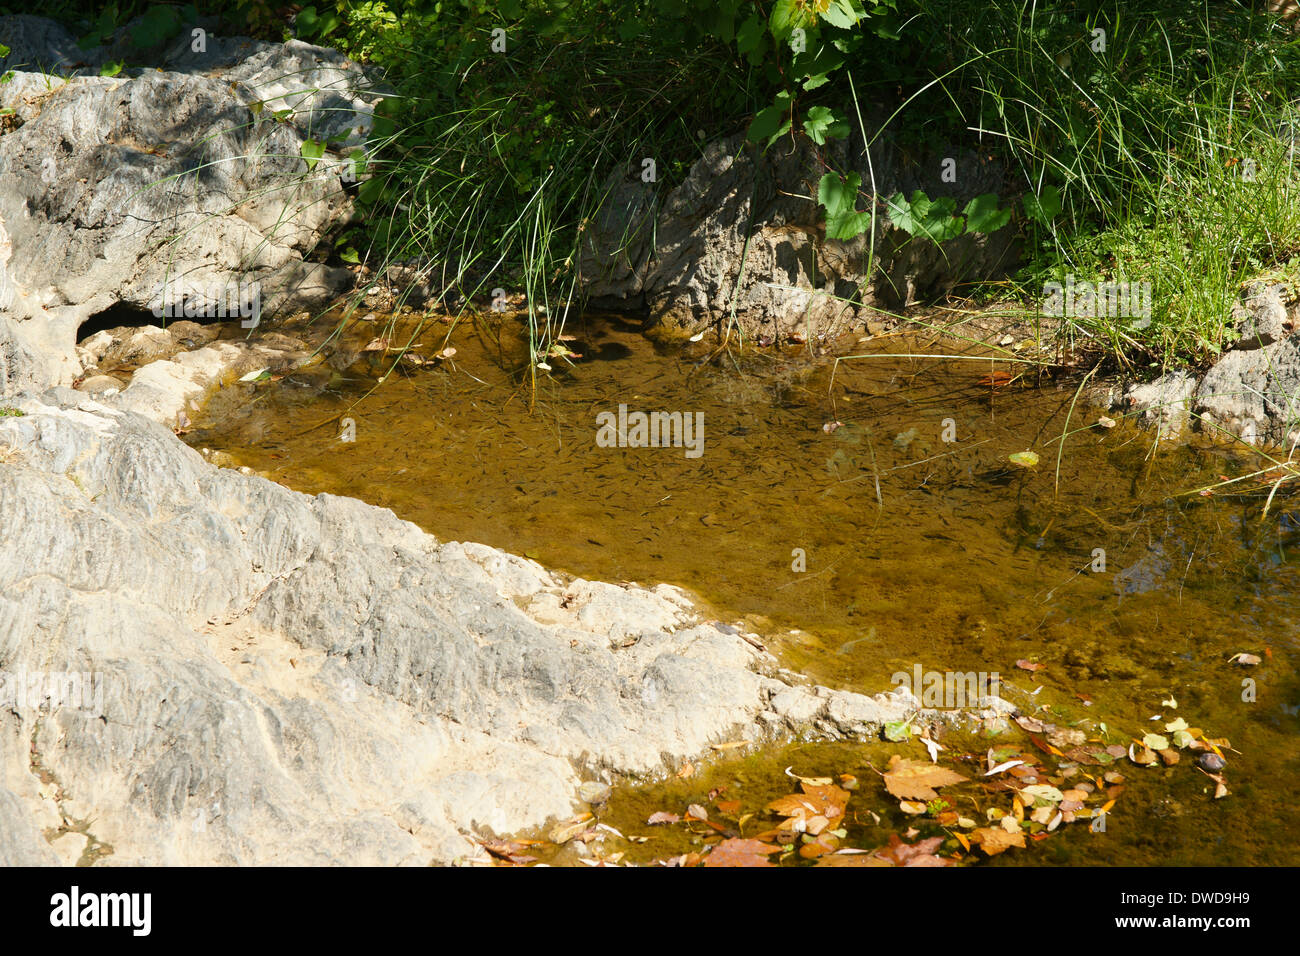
(866, 513)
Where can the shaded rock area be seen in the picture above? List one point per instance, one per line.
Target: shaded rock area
(742, 232)
(249, 675)
(1251, 393)
(164, 373)
(171, 188)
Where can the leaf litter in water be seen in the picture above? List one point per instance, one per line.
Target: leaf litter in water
(1023, 797)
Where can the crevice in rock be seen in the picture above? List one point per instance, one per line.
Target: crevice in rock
(94, 849)
(118, 315)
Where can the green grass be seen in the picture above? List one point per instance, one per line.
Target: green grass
(496, 162)
(1165, 148)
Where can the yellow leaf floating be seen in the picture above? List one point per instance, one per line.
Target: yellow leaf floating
(1025, 459)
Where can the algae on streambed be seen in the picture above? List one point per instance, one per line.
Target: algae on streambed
(915, 550)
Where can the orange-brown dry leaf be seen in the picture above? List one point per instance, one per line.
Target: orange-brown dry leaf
(509, 853)
(994, 840)
(920, 853)
(852, 859)
(815, 801)
(996, 380)
(819, 847)
(914, 780)
(740, 852)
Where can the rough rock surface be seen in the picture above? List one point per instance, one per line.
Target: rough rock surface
(113, 189)
(1165, 402)
(680, 252)
(1261, 316)
(1252, 393)
(175, 368)
(286, 679)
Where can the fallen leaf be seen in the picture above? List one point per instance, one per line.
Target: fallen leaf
(741, 852)
(1007, 765)
(1030, 665)
(511, 852)
(663, 817)
(1066, 737)
(826, 843)
(566, 831)
(995, 840)
(1043, 791)
(921, 853)
(914, 780)
(1245, 660)
(1221, 785)
(852, 858)
(813, 810)
(996, 380)
(809, 781)
(1143, 757)
(1025, 459)
(897, 731)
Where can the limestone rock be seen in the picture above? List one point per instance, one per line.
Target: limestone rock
(1261, 316)
(679, 252)
(1254, 394)
(1165, 403)
(161, 187)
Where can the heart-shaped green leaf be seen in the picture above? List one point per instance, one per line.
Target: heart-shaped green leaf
(839, 197)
